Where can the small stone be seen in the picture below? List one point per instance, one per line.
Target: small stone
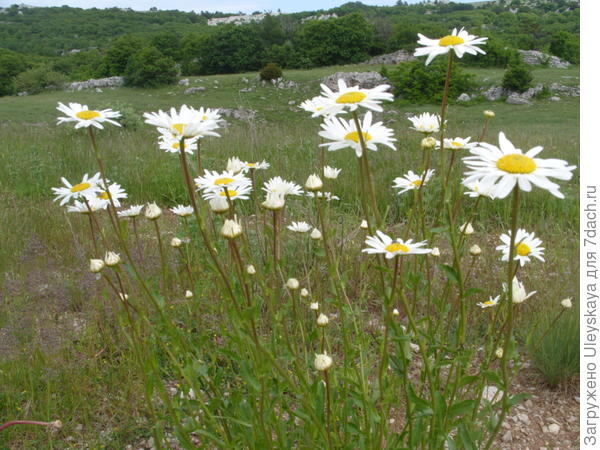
(292, 102)
(554, 98)
(464, 97)
(507, 437)
(524, 418)
(553, 428)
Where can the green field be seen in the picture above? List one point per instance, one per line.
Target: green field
(51, 369)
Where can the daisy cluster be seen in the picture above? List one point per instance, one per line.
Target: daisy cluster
(89, 195)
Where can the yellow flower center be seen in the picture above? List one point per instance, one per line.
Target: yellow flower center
(205, 117)
(80, 187)
(223, 181)
(451, 40)
(318, 108)
(87, 114)
(231, 193)
(416, 182)
(178, 127)
(104, 195)
(516, 163)
(488, 303)
(396, 247)
(351, 97)
(175, 145)
(523, 249)
(456, 144)
(251, 164)
(353, 136)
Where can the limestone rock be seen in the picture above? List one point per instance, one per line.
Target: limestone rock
(536, 58)
(391, 58)
(96, 83)
(184, 82)
(194, 90)
(364, 79)
(464, 97)
(494, 93)
(516, 99)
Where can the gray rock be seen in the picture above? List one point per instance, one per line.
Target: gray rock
(532, 92)
(516, 99)
(22, 94)
(391, 58)
(553, 428)
(570, 91)
(239, 114)
(364, 79)
(535, 58)
(292, 102)
(96, 83)
(194, 90)
(248, 89)
(98, 90)
(494, 93)
(507, 437)
(464, 97)
(554, 98)
(184, 82)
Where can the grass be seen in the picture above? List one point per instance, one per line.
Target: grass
(51, 369)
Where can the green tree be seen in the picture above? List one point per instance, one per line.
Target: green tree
(36, 79)
(168, 43)
(150, 68)
(11, 64)
(517, 78)
(566, 46)
(118, 54)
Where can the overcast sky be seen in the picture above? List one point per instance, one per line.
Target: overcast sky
(247, 6)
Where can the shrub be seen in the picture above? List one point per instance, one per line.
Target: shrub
(270, 72)
(517, 78)
(554, 347)
(11, 64)
(416, 82)
(566, 46)
(150, 68)
(37, 79)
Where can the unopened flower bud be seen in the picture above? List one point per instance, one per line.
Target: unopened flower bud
(231, 229)
(323, 362)
(566, 303)
(316, 234)
(314, 306)
(189, 294)
(488, 114)
(292, 284)
(499, 352)
(111, 259)
(467, 228)
(250, 270)
(435, 252)
(475, 250)
(176, 242)
(218, 204)
(152, 212)
(123, 296)
(57, 424)
(428, 143)
(395, 312)
(303, 292)
(364, 225)
(96, 265)
(274, 201)
(313, 183)
(322, 320)
(331, 172)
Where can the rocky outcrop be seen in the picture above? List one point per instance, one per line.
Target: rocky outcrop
(535, 58)
(96, 83)
(391, 58)
(364, 79)
(194, 90)
(239, 114)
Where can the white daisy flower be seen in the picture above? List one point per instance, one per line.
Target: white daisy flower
(527, 246)
(475, 190)
(131, 212)
(344, 134)
(274, 201)
(182, 211)
(459, 41)
(239, 192)
(235, 164)
(209, 114)
(86, 117)
(95, 204)
(350, 98)
(299, 227)
(114, 191)
(258, 165)
(213, 180)
(411, 181)
(457, 143)
(501, 169)
(171, 144)
(425, 123)
(316, 106)
(328, 195)
(70, 192)
(519, 293)
(185, 123)
(384, 244)
(280, 186)
(488, 304)
(331, 173)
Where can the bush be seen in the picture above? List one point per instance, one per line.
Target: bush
(37, 79)
(517, 78)
(497, 54)
(270, 72)
(425, 84)
(566, 46)
(150, 68)
(554, 347)
(11, 64)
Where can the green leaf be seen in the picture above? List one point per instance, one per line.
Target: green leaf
(450, 272)
(460, 408)
(422, 406)
(494, 378)
(517, 398)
